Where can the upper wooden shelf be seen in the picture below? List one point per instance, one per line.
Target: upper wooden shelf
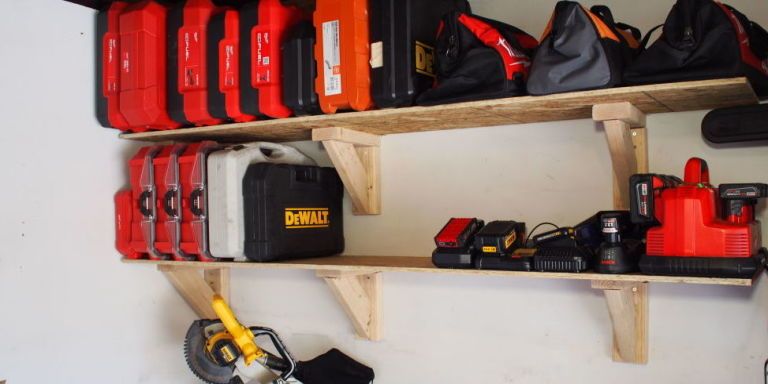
(656, 98)
(372, 264)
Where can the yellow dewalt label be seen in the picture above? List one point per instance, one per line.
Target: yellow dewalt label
(509, 240)
(425, 59)
(489, 249)
(306, 218)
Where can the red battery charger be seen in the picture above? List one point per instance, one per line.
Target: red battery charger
(700, 230)
(263, 26)
(143, 67)
(188, 62)
(223, 51)
(108, 67)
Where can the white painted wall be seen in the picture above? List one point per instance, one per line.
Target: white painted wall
(71, 312)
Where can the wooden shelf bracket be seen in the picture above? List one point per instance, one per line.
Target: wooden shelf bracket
(197, 288)
(628, 308)
(356, 157)
(360, 294)
(627, 142)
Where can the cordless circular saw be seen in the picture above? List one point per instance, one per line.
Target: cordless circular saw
(223, 351)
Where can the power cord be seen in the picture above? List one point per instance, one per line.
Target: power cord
(537, 227)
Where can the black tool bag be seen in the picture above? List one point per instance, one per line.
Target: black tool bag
(478, 58)
(403, 47)
(291, 212)
(582, 49)
(334, 367)
(704, 39)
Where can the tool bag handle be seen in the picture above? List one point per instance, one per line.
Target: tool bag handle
(605, 14)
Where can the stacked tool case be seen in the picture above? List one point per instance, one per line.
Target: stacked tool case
(207, 202)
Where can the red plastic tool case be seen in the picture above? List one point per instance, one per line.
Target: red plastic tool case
(223, 51)
(135, 208)
(263, 26)
(188, 62)
(143, 66)
(193, 181)
(164, 214)
(108, 67)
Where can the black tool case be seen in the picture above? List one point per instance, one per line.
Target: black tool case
(403, 34)
(292, 212)
(300, 70)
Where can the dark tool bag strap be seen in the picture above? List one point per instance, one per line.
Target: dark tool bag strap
(647, 37)
(605, 14)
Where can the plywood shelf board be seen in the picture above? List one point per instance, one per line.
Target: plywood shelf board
(656, 98)
(369, 264)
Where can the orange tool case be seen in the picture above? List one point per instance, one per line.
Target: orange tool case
(343, 52)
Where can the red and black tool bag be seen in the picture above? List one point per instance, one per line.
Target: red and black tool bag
(704, 39)
(478, 58)
(582, 49)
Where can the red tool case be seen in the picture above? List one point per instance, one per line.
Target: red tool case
(135, 208)
(187, 62)
(164, 214)
(223, 52)
(108, 67)
(143, 67)
(161, 163)
(263, 25)
(192, 232)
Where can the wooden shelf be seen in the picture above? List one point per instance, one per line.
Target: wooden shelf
(352, 141)
(356, 282)
(657, 98)
(373, 264)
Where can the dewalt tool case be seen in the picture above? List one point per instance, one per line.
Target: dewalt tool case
(226, 169)
(403, 37)
(292, 211)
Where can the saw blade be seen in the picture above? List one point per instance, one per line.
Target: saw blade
(197, 357)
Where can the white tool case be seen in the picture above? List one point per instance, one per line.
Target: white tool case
(226, 168)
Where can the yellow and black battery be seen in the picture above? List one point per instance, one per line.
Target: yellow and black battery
(500, 237)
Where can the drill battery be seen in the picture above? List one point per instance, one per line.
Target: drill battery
(500, 237)
(520, 259)
(457, 258)
(458, 232)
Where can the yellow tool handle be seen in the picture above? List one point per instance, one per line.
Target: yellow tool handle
(241, 335)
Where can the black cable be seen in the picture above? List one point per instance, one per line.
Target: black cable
(765, 372)
(537, 227)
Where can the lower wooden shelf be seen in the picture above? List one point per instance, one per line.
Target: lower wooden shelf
(372, 264)
(356, 281)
